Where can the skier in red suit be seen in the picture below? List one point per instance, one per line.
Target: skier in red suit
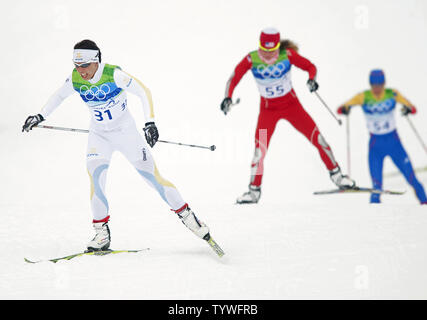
(271, 65)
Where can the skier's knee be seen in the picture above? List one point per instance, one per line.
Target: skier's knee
(321, 141)
(92, 164)
(257, 156)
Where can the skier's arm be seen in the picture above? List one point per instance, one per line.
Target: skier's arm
(402, 100)
(56, 99)
(408, 107)
(237, 75)
(356, 100)
(134, 86)
(302, 63)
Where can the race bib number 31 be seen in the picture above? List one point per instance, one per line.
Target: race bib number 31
(114, 111)
(99, 116)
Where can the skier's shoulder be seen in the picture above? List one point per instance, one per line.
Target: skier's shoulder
(290, 52)
(360, 98)
(110, 69)
(398, 97)
(112, 66)
(254, 57)
(391, 91)
(246, 62)
(123, 79)
(252, 53)
(68, 83)
(251, 56)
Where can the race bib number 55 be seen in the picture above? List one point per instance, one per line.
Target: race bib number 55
(276, 88)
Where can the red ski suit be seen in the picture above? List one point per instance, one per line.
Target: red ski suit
(285, 107)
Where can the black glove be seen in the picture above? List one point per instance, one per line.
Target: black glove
(225, 105)
(312, 85)
(344, 110)
(31, 122)
(151, 133)
(406, 110)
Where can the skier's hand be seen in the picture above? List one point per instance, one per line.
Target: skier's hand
(312, 85)
(408, 110)
(151, 133)
(225, 105)
(344, 110)
(31, 122)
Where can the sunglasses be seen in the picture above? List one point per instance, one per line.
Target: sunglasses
(277, 46)
(82, 65)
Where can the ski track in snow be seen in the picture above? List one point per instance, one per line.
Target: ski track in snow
(272, 252)
(291, 245)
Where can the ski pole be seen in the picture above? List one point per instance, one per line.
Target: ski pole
(348, 145)
(329, 109)
(212, 147)
(416, 133)
(62, 129)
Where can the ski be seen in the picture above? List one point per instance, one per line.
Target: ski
(86, 253)
(215, 247)
(359, 190)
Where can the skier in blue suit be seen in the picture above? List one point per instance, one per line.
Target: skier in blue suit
(378, 105)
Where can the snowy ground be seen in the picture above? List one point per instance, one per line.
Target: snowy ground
(273, 252)
(292, 244)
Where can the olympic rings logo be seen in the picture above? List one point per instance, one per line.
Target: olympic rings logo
(383, 107)
(95, 92)
(272, 71)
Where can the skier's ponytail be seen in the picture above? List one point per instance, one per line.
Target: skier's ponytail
(288, 44)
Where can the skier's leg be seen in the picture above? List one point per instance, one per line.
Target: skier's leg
(402, 161)
(148, 170)
(267, 121)
(266, 125)
(303, 122)
(135, 149)
(138, 153)
(376, 162)
(98, 157)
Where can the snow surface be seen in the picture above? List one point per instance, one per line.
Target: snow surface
(292, 244)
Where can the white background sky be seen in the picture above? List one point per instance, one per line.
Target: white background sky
(184, 51)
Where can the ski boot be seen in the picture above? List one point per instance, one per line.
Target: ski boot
(200, 229)
(340, 180)
(102, 239)
(190, 220)
(252, 196)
